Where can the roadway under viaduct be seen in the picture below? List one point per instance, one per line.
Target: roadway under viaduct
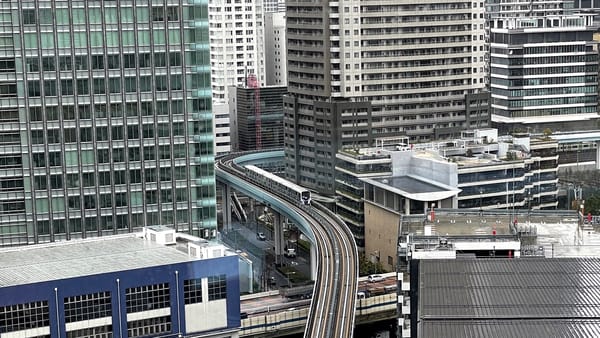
(280, 208)
(292, 319)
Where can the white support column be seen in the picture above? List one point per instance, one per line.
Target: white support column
(407, 206)
(227, 207)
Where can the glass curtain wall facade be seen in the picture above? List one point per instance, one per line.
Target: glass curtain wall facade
(543, 66)
(544, 72)
(105, 109)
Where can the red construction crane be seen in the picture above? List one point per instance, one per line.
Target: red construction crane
(252, 82)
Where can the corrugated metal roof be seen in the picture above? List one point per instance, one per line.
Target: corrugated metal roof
(512, 328)
(32, 264)
(503, 293)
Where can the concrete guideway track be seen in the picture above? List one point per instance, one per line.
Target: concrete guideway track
(332, 306)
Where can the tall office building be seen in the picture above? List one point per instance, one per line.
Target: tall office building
(364, 70)
(106, 121)
(543, 68)
(258, 117)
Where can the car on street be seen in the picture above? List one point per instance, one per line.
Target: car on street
(290, 253)
(261, 236)
(375, 278)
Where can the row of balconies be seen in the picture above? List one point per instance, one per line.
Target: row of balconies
(372, 45)
(409, 82)
(419, 65)
(419, 51)
(384, 32)
(440, 25)
(420, 89)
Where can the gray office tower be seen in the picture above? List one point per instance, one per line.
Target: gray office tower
(358, 71)
(543, 67)
(106, 121)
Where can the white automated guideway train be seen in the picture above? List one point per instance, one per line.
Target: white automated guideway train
(274, 182)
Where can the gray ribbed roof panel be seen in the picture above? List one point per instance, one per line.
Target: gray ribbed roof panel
(512, 328)
(40, 263)
(532, 288)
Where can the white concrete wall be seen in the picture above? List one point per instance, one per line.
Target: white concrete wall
(431, 167)
(275, 49)
(206, 316)
(222, 129)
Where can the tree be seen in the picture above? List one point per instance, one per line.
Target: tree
(592, 204)
(367, 267)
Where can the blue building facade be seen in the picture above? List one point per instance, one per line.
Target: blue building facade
(199, 298)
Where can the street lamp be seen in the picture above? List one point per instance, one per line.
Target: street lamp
(528, 205)
(480, 202)
(288, 273)
(235, 234)
(376, 256)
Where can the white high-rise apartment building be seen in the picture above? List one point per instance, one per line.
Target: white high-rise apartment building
(275, 51)
(271, 6)
(236, 29)
(359, 70)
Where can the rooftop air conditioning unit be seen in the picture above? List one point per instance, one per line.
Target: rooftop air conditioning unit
(160, 234)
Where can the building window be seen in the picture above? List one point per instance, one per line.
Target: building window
(83, 87)
(56, 181)
(192, 291)
(37, 137)
(150, 174)
(33, 88)
(43, 229)
(92, 332)
(165, 174)
(172, 14)
(175, 59)
(29, 17)
(147, 297)
(26, 316)
(158, 14)
(149, 326)
(32, 64)
(86, 307)
(48, 64)
(135, 176)
(66, 87)
(217, 287)
(176, 83)
(89, 202)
